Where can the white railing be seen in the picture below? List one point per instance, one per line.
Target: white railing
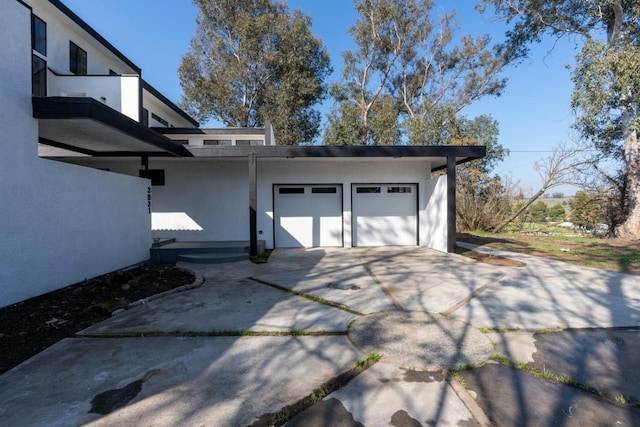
(120, 92)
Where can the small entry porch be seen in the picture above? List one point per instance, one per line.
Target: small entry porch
(207, 252)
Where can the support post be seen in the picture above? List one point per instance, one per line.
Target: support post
(253, 205)
(451, 203)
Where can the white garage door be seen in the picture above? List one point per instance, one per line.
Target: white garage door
(384, 214)
(308, 215)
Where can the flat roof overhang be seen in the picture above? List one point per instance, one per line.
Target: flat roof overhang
(88, 127)
(437, 155)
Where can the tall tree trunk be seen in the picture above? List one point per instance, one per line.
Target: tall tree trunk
(631, 227)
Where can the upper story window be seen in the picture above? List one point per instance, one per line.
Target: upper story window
(217, 142)
(39, 35)
(77, 59)
(249, 142)
(159, 119)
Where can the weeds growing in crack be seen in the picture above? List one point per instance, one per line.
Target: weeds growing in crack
(310, 297)
(627, 400)
(370, 360)
(319, 393)
(280, 417)
(459, 378)
(566, 380)
(464, 367)
(288, 412)
(262, 258)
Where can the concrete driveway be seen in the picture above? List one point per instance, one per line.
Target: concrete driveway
(257, 338)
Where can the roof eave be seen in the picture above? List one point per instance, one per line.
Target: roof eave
(60, 108)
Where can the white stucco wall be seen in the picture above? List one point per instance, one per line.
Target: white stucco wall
(130, 96)
(154, 105)
(435, 231)
(61, 30)
(215, 193)
(59, 223)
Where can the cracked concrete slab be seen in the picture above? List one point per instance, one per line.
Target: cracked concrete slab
(530, 303)
(232, 380)
(388, 395)
(227, 306)
(513, 397)
(515, 346)
(418, 340)
(426, 280)
(606, 360)
(336, 277)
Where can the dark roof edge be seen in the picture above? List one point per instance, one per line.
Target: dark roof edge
(75, 18)
(24, 4)
(169, 103)
(465, 152)
(89, 108)
(459, 162)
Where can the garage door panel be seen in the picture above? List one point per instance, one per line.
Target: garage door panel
(385, 215)
(308, 216)
(291, 232)
(331, 231)
(386, 231)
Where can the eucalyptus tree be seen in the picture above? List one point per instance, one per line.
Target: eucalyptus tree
(427, 70)
(606, 75)
(252, 61)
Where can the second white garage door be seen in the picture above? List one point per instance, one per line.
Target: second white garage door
(308, 215)
(385, 214)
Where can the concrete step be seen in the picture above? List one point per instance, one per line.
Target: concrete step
(213, 257)
(170, 251)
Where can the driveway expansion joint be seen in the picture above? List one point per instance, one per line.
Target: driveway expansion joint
(307, 296)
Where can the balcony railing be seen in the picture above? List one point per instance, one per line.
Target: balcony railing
(120, 92)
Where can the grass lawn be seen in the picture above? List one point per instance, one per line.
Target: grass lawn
(608, 254)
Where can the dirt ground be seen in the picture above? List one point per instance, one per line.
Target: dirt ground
(30, 326)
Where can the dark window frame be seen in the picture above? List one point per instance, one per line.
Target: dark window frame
(225, 142)
(376, 189)
(291, 190)
(324, 190)
(38, 35)
(399, 189)
(77, 59)
(249, 142)
(159, 119)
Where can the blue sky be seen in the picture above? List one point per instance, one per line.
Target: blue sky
(534, 112)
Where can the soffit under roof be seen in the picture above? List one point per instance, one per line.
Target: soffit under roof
(89, 127)
(436, 155)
